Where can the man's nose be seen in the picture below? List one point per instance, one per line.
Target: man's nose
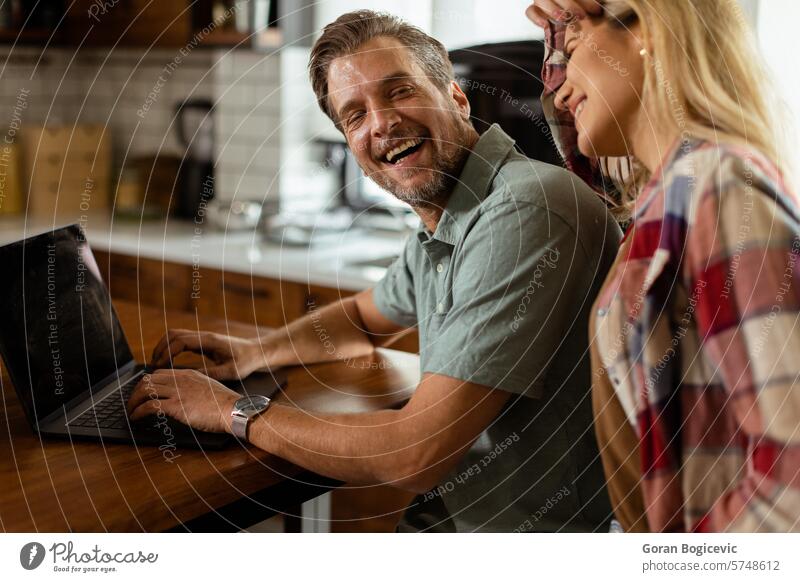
(384, 121)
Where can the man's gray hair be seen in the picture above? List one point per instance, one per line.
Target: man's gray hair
(345, 35)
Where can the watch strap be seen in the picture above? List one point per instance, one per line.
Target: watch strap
(241, 420)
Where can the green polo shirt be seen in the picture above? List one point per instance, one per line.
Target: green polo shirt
(501, 294)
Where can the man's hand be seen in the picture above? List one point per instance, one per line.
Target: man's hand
(540, 11)
(234, 357)
(187, 396)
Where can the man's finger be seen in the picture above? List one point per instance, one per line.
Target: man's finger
(164, 341)
(161, 348)
(166, 379)
(188, 341)
(147, 408)
(144, 391)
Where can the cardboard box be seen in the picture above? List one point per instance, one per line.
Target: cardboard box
(12, 197)
(67, 170)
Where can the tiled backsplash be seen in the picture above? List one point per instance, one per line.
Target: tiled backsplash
(135, 92)
(247, 89)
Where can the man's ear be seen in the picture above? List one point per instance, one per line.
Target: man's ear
(460, 99)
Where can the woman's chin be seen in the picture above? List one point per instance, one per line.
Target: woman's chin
(586, 146)
(594, 148)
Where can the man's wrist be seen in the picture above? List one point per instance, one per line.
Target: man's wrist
(255, 427)
(263, 351)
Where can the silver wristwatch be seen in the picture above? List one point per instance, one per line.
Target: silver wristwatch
(243, 410)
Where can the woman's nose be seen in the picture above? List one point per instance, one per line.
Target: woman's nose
(561, 100)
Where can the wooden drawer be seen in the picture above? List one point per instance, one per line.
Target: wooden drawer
(253, 300)
(315, 297)
(150, 282)
(235, 296)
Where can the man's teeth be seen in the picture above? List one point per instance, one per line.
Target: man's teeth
(402, 147)
(579, 108)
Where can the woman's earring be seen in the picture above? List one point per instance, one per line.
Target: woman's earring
(643, 52)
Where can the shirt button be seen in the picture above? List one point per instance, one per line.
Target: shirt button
(440, 308)
(439, 268)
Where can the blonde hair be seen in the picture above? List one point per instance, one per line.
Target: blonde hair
(706, 79)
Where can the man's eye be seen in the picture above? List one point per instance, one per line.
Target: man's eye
(355, 118)
(402, 92)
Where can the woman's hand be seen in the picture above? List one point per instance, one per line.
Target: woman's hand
(541, 11)
(234, 357)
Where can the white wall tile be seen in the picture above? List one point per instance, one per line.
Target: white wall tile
(100, 90)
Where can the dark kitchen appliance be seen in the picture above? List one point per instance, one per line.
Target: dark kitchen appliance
(195, 127)
(504, 85)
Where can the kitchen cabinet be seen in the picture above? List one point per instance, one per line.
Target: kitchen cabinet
(238, 297)
(127, 23)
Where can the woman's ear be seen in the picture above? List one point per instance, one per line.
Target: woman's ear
(639, 40)
(460, 99)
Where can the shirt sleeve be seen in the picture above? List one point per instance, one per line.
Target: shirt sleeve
(742, 256)
(523, 284)
(394, 295)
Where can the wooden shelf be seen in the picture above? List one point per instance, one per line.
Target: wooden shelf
(146, 22)
(28, 35)
(269, 38)
(226, 37)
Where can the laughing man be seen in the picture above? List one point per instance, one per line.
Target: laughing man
(498, 280)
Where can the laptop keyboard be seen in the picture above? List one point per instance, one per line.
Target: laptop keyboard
(109, 412)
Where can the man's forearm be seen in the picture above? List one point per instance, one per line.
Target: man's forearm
(331, 333)
(411, 448)
(365, 448)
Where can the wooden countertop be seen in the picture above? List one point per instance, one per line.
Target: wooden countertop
(54, 486)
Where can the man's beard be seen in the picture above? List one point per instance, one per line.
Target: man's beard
(443, 174)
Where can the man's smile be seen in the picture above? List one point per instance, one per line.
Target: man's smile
(403, 151)
(406, 148)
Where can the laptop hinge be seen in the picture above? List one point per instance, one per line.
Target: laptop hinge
(124, 373)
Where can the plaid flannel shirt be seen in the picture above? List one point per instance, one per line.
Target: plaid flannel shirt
(698, 331)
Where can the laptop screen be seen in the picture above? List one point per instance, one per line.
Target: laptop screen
(59, 333)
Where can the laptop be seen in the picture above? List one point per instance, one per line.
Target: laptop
(67, 355)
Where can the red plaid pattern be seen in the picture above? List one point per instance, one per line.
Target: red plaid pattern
(698, 328)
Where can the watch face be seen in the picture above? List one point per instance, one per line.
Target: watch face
(252, 404)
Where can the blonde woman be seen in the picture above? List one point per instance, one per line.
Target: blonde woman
(696, 332)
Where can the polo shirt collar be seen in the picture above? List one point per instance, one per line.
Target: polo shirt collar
(472, 187)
